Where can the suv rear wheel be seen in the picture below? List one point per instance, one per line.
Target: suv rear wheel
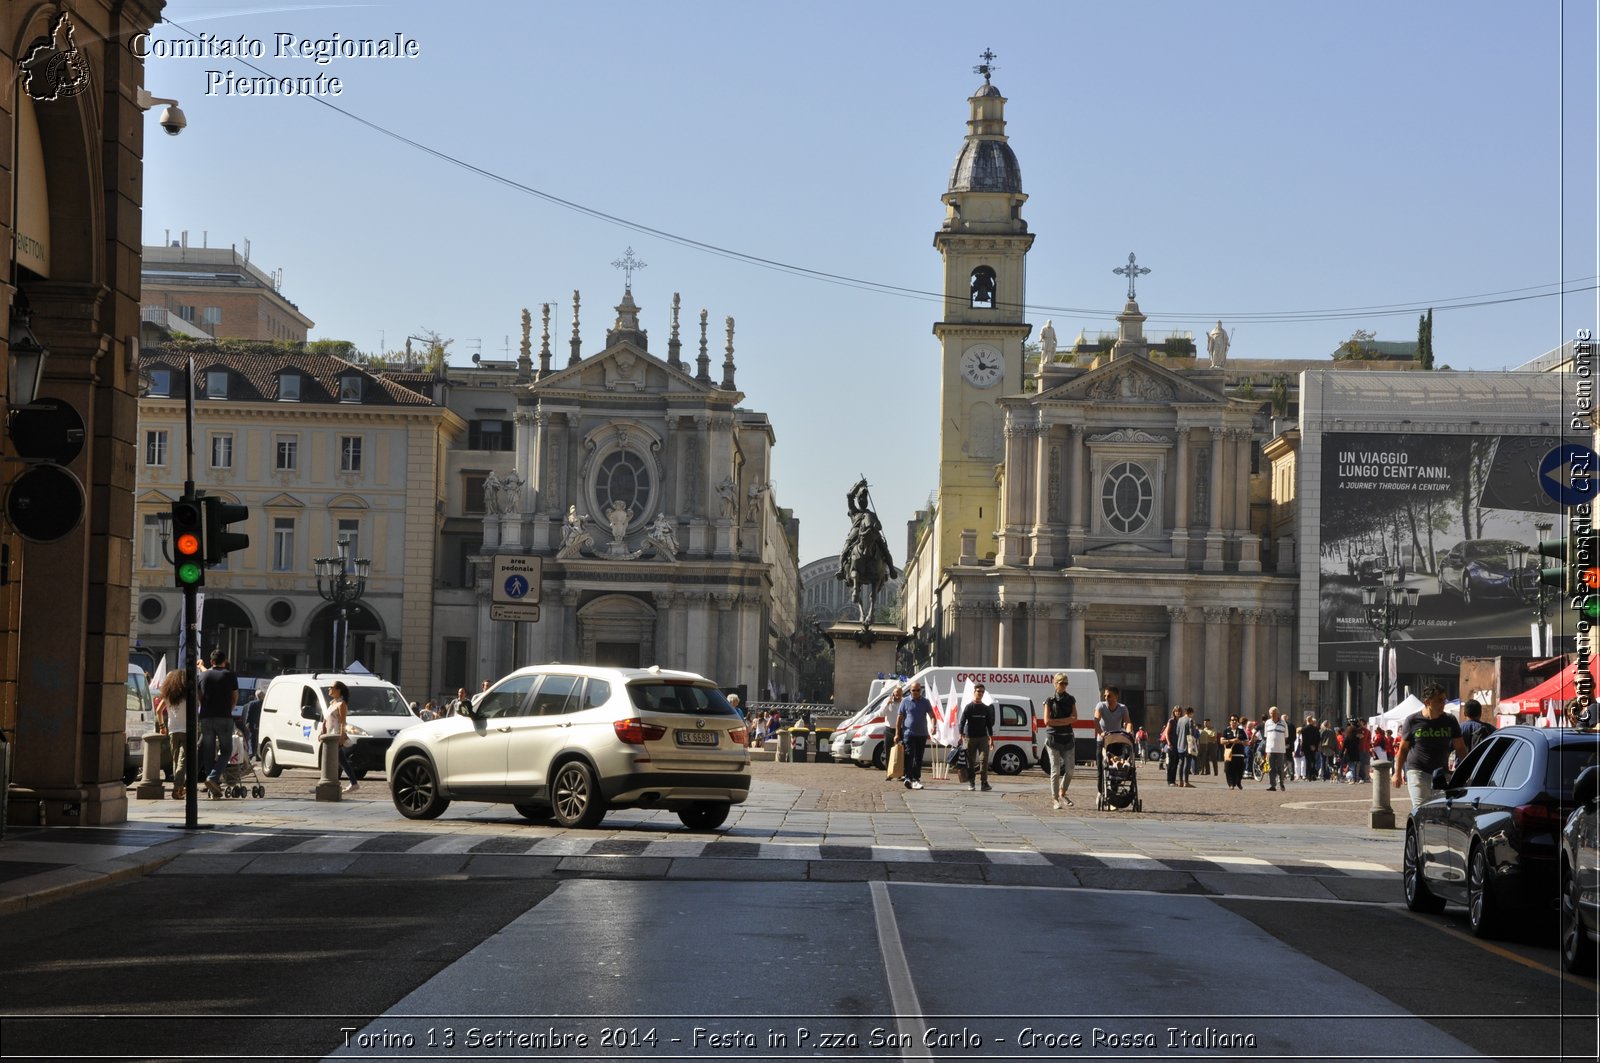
(575, 800)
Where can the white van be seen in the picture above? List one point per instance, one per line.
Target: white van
(292, 711)
(1020, 694)
(140, 720)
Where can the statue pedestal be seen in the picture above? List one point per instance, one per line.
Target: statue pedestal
(860, 655)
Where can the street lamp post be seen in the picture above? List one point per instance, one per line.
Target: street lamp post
(342, 580)
(1535, 593)
(1391, 608)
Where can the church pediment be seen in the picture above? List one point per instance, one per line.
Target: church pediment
(625, 367)
(1133, 381)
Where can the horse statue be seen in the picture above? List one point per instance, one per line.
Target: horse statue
(864, 563)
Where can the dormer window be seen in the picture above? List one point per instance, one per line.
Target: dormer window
(983, 287)
(288, 387)
(216, 383)
(350, 387)
(161, 383)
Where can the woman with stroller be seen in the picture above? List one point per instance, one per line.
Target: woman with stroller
(337, 722)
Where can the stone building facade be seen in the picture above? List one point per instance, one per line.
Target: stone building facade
(1105, 515)
(72, 149)
(646, 491)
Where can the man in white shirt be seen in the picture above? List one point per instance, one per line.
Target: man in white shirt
(1275, 736)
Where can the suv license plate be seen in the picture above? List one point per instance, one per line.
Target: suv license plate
(697, 738)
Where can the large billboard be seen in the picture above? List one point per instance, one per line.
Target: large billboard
(1449, 513)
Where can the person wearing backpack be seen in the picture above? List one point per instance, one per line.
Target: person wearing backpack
(1473, 729)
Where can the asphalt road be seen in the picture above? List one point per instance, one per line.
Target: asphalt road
(293, 967)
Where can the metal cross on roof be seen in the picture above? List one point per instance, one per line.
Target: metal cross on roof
(1132, 271)
(986, 67)
(627, 264)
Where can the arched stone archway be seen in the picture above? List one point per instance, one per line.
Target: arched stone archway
(366, 639)
(617, 630)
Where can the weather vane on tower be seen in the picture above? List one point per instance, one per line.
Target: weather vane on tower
(627, 264)
(986, 67)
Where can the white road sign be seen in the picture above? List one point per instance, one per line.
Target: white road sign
(526, 613)
(516, 580)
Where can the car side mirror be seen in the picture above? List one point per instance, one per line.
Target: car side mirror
(1587, 788)
(1441, 779)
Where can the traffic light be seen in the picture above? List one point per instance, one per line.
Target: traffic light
(1559, 575)
(188, 542)
(219, 541)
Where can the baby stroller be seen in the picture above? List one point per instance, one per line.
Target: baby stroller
(239, 778)
(1117, 773)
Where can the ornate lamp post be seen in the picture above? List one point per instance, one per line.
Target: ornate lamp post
(342, 580)
(1533, 592)
(1391, 609)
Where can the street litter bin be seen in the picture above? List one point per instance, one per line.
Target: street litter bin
(798, 737)
(823, 737)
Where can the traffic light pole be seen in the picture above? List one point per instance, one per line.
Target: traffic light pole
(191, 629)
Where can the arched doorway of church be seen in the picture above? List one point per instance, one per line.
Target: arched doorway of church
(1130, 675)
(363, 643)
(617, 630)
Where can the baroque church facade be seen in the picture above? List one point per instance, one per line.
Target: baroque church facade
(645, 491)
(1093, 515)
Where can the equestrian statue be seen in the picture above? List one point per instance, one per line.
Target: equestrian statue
(864, 564)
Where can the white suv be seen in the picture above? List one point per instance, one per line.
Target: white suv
(570, 742)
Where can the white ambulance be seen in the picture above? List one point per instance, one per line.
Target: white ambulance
(1018, 693)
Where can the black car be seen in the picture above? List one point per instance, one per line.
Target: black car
(1491, 837)
(1580, 877)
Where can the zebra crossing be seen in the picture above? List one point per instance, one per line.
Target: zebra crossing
(459, 845)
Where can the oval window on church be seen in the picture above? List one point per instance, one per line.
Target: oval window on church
(1127, 497)
(622, 476)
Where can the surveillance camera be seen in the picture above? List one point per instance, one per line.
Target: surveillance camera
(172, 120)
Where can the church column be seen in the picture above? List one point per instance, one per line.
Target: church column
(1250, 665)
(1077, 645)
(663, 631)
(1041, 650)
(1178, 687)
(1283, 672)
(1216, 660)
(569, 636)
(1078, 492)
(1249, 544)
(1013, 504)
(1043, 544)
(1180, 523)
(1214, 536)
(1003, 651)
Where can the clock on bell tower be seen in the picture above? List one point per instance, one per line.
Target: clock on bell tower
(984, 244)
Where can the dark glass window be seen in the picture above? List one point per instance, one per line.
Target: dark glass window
(1127, 497)
(489, 435)
(623, 477)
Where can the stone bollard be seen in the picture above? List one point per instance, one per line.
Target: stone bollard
(784, 747)
(1381, 815)
(328, 763)
(150, 788)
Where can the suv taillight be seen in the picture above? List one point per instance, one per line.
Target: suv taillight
(636, 732)
(739, 736)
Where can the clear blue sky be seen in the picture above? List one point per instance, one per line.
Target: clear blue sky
(1261, 157)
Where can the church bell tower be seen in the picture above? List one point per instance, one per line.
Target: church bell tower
(984, 244)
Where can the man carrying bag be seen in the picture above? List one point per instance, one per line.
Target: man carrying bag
(976, 725)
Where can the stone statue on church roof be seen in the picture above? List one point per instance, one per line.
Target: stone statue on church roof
(1047, 341)
(1217, 346)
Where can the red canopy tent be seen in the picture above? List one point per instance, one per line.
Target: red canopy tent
(1554, 693)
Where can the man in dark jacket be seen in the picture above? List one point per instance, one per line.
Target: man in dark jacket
(219, 693)
(976, 725)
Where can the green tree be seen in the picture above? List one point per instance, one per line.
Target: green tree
(1355, 348)
(1425, 339)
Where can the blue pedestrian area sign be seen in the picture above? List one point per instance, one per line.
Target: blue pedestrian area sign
(515, 587)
